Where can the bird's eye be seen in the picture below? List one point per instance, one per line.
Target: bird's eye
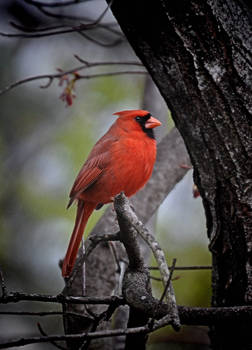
(138, 119)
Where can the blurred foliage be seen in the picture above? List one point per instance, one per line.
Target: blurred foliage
(192, 288)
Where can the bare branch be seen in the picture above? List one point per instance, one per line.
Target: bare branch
(41, 35)
(3, 286)
(168, 281)
(136, 286)
(105, 26)
(99, 19)
(128, 233)
(51, 77)
(46, 31)
(26, 80)
(45, 335)
(99, 334)
(17, 297)
(97, 64)
(184, 268)
(55, 3)
(92, 241)
(159, 256)
(188, 315)
(35, 29)
(105, 315)
(90, 244)
(41, 313)
(39, 5)
(100, 43)
(116, 257)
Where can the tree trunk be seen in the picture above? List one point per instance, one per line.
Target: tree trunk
(199, 54)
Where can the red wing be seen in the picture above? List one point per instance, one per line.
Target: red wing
(96, 163)
(89, 174)
(85, 179)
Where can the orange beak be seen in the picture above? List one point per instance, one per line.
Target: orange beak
(152, 123)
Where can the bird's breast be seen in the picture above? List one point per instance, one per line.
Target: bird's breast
(129, 167)
(133, 161)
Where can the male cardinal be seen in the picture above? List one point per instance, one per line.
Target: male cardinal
(122, 160)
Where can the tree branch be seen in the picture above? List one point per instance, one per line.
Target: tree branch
(40, 313)
(3, 285)
(45, 335)
(165, 291)
(79, 29)
(86, 65)
(136, 283)
(105, 26)
(185, 268)
(17, 297)
(55, 3)
(188, 316)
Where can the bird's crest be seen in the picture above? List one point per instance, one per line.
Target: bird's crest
(132, 113)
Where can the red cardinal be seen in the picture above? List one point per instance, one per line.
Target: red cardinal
(122, 160)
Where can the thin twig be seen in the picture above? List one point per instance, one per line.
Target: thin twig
(55, 3)
(188, 315)
(163, 267)
(35, 29)
(168, 281)
(102, 15)
(152, 320)
(95, 23)
(185, 268)
(17, 297)
(100, 43)
(42, 313)
(51, 77)
(83, 268)
(42, 35)
(3, 285)
(105, 315)
(156, 278)
(90, 244)
(110, 74)
(115, 255)
(79, 28)
(50, 338)
(46, 335)
(105, 26)
(97, 64)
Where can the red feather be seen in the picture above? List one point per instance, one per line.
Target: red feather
(122, 160)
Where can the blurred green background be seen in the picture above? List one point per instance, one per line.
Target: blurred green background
(44, 143)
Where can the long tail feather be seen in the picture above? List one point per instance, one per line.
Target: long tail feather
(84, 210)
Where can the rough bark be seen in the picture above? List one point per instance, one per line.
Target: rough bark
(136, 287)
(199, 54)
